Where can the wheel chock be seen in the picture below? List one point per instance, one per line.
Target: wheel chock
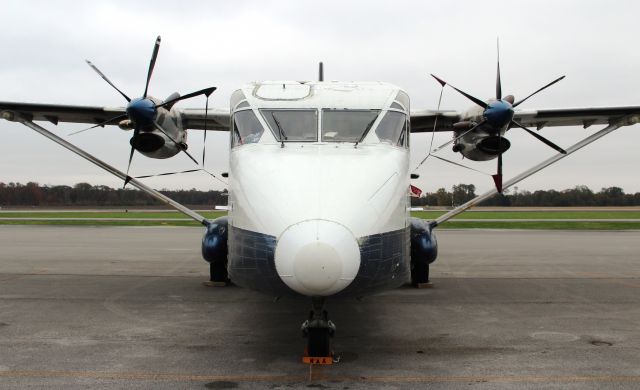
(317, 360)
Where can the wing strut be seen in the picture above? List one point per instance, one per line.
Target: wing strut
(188, 212)
(626, 121)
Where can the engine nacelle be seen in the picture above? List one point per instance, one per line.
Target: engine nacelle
(215, 249)
(214, 242)
(424, 249)
(480, 145)
(149, 139)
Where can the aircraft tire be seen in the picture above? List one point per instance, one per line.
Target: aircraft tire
(319, 342)
(218, 272)
(419, 273)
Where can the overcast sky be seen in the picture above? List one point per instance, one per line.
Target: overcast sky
(229, 43)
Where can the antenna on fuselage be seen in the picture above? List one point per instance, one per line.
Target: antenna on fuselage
(320, 71)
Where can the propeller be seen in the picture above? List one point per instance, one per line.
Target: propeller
(498, 117)
(143, 111)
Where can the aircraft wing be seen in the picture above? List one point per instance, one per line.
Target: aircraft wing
(584, 117)
(217, 119)
(56, 113)
(423, 120)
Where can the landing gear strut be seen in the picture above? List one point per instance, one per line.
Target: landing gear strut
(318, 330)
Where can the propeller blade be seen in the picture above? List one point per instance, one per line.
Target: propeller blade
(460, 165)
(497, 178)
(101, 124)
(190, 156)
(541, 138)
(187, 171)
(152, 64)
(498, 82)
(442, 82)
(516, 104)
(473, 99)
(458, 137)
(128, 178)
(204, 142)
(182, 149)
(433, 132)
(169, 173)
(107, 80)
(206, 92)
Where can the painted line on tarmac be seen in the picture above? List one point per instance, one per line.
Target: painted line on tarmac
(544, 220)
(95, 219)
(452, 220)
(143, 376)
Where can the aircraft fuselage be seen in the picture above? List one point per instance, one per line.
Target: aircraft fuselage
(318, 188)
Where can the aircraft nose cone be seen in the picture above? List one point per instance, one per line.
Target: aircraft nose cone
(141, 111)
(499, 113)
(317, 257)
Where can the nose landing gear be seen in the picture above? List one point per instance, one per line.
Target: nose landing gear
(318, 330)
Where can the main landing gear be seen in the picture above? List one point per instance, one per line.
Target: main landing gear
(218, 276)
(318, 330)
(420, 275)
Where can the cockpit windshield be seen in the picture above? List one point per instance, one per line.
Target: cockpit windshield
(292, 125)
(340, 125)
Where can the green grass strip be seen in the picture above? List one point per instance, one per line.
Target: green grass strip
(596, 214)
(542, 225)
(107, 214)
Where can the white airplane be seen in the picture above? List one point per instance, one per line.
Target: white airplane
(318, 178)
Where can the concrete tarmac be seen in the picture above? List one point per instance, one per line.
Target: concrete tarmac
(124, 307)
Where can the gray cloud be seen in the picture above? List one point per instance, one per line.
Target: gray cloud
(230, 43)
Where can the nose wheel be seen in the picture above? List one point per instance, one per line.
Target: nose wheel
(318, 330)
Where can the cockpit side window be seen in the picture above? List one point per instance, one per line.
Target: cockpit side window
(243, 104)
(403, 99)
(236, 97)
(246, 128)
(393, 129)
(292, 125)
(340, 125)
(397, 106)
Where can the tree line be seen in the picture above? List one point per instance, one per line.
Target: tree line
(577, 196)
(84, 195)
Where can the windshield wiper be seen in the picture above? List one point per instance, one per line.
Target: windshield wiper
(366, 131)
(279, 126)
